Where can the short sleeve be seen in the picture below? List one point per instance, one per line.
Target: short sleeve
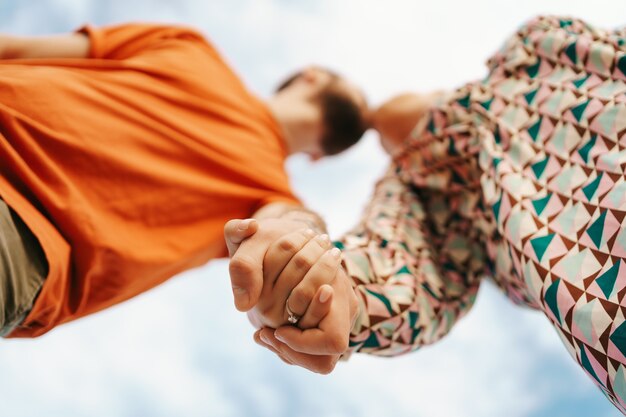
(126, 41)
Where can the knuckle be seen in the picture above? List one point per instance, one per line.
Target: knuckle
(325, 366)
(300, 297)
(287, 245)
(337, 343)
(241, 265)
(303, 261)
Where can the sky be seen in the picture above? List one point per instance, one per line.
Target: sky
(183, 350)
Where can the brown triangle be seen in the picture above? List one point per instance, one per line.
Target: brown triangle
(589, 280)
(569, 244)
(541, 271)
(611, 242)
(619, 215)
(604, 338)
(614, 363)
(556, 260)
(609, 307)
(374, 320)
(600, 356)
(573, 290)
(580, 130)
(563, 199)
(587, 170)
(590, 208)
(600, 256)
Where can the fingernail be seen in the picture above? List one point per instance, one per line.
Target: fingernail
(264, 338)
(335, 252)
(240, 292)
(309, 232)
(324, 239)
(325, 293)
(244, 224)
(279, 337)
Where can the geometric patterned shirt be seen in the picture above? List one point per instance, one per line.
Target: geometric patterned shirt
(518, 177)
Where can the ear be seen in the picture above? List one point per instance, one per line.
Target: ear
(315, 156)
(313, 75)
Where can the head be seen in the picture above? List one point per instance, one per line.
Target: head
(321, 113)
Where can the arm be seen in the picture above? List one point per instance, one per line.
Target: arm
(75, 45)
(414, 267)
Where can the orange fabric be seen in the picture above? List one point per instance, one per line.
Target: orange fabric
(126, 165)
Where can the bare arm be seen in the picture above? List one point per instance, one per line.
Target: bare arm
(74, 45)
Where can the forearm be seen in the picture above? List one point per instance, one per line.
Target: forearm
(75, 45)
(410, 295)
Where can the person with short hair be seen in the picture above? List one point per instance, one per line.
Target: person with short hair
(124, 150)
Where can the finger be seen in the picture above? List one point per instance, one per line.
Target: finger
(281, 251)
(297, 268)
(318, 309)
(246, 273)
(322, 364)
(331, 337)
(235, 231)
(321, 273)
(260, 342)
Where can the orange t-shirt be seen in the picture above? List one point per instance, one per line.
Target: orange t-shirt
(126, 165)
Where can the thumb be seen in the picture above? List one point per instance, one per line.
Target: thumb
(235, 231)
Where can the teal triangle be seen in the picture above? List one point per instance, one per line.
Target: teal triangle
(606, 281)
(451, 149)
(541, 204)
(621, 64)
(595, 230)
(584, 150)
(465, 101)
(496, 208)
(540, 244)
(416, 332)
(618, 337)
(431, 125)
(372, 341)
(590, 189)
(584, 361)
(497, 137)
(487, 104)
(570, 51)
(530, 96)
(533, 131)
(413, 316)
(579, 83)
(579, 110)
(496, 162)
(339, 245)
(550, 298)
(403, 270)
(383, 299)
(533, 70)
(565, 22)
(539, 167)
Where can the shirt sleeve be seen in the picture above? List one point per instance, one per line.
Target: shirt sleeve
(125, 41)
(418, 255)
(413, 280)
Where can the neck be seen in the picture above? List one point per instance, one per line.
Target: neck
(298, 121)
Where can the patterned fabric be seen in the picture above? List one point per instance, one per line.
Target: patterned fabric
(519, 177)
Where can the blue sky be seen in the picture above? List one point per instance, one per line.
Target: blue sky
(183, 350)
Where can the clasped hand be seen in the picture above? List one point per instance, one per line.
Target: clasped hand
(275, 262)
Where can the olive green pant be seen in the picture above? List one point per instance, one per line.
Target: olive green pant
(23, 269)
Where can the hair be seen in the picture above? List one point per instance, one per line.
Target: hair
(344, 121)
